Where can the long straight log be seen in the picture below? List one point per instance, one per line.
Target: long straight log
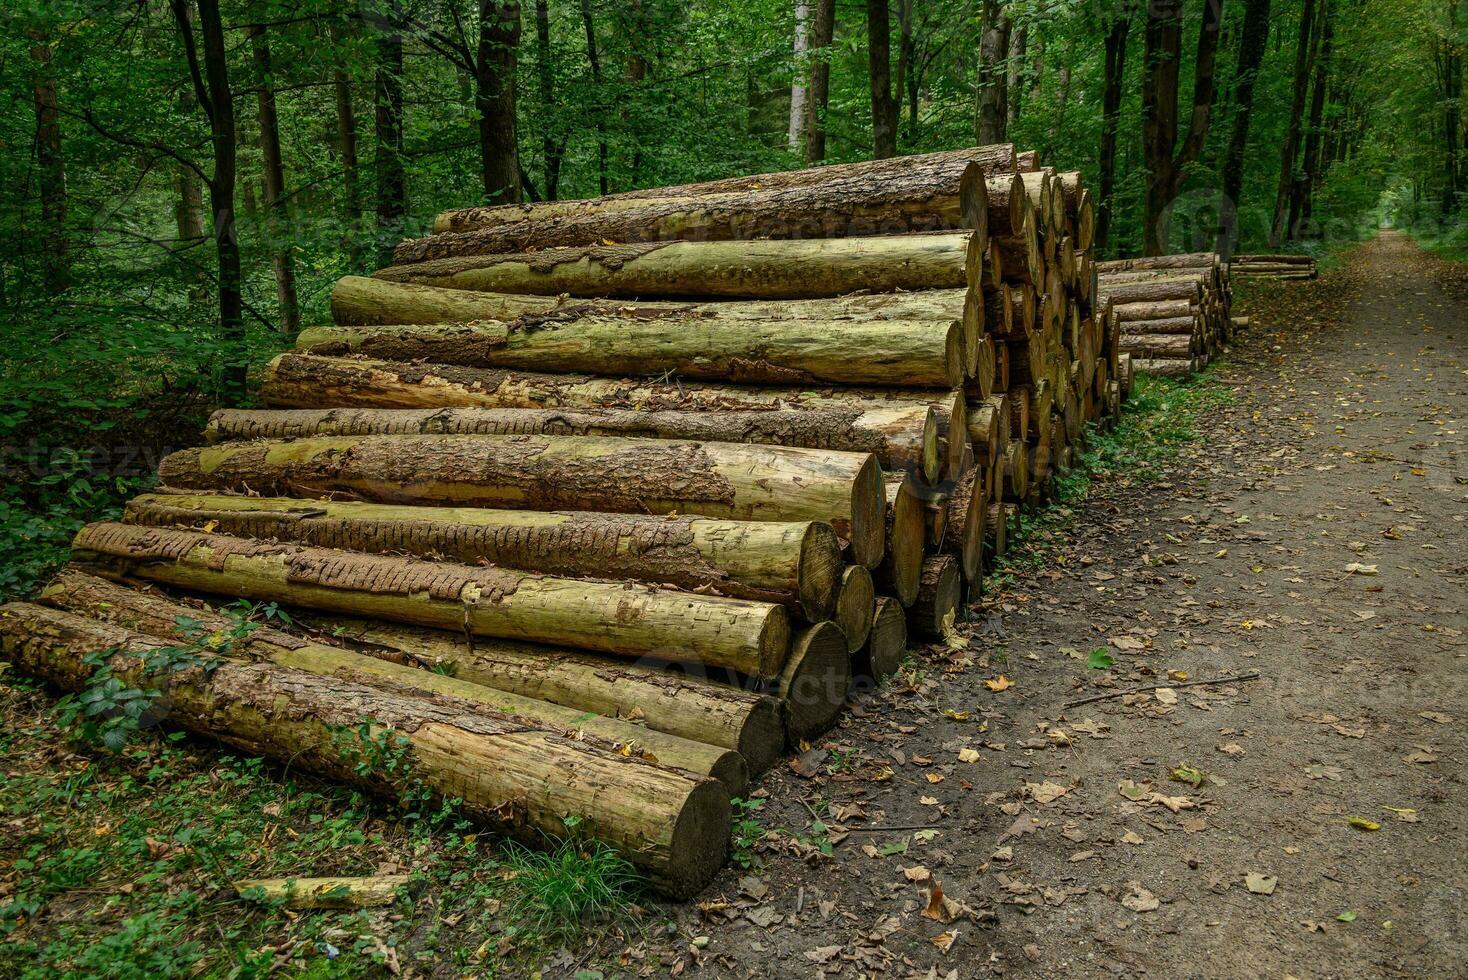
(886, 643)
(1119, 294)
(663, 698)
(1160, 345)
(995, 158)
(1171, 367)
(924, 196)
(902, 435)
(1163, 309)
(152, 614)
(1187, 260)
(625, 619)
(766, 268)
(360, 301)
(795, 564)
(630, 476)
(1169, 325)
(910, 353)
(515, 776)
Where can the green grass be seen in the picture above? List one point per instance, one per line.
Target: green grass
(120, 864)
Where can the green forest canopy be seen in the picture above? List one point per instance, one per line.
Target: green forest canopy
(149, 141)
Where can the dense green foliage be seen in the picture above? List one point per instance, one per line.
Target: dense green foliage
(110, 277)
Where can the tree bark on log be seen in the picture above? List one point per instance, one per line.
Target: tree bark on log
(663, 699)
(1119, 294)
(902, 435)
(797, 565)
(761, 269)
(924, 196)
(625, 619)
(886, 642)
(630, 476)
(1156, 310)
(854, 600)
(904, 353)
(151, 614)
(517, 778)
(995, 158)
(815, 681)
(1190, 325)
(325, 893)
(1172, 367)
(939, 597)
(359, 301)
(1160, 345)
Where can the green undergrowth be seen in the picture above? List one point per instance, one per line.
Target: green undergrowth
(120, 864)
(1158, 423)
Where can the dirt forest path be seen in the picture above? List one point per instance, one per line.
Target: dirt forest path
(1316, 534)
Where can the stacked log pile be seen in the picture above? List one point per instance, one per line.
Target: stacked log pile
(1281, 267)
(1170, 313)
(636, 487)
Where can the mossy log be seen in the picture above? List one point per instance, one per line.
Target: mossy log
(631, 476)
(995, 158)
(157, 616)
(373, 891)
(926, 195)
(903, 353)
(886, 643)
(796, 564)
(854, 601)
(766, 268)
(517, 777)
(902, 435)
(815, 681)
(622, 618)
(664, 697)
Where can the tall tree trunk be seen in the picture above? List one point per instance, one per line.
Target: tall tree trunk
(822, 30)
(993, 81)
(1014, 83)
(1116, 43)
(56, 256)
(879, 69)
(1449, 64)
(494, 100)
(1301, 212)
(799, 91)
(1251, 54)
(346, 138)
(553, 144)
(907, 83)
(637, 31)
(1292, 132)
(1167, 166)
(277, 214)
(392, 178)
(594, 60)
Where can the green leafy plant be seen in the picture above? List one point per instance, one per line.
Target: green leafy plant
(746, 831)
(567, 884)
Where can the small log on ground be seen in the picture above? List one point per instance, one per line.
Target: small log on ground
(625, 619)
(854, 602)
(795, 564)
(372, 891)
(815, 681)
(515, 777)
(886, 644)
(936, 609)
(712, 479)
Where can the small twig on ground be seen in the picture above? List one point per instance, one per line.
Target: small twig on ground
(878, 830)
(1251, 676)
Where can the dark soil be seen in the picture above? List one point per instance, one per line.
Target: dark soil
(1317, 533)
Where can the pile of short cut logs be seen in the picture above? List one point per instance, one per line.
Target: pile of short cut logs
(1171, 312)
(595, 507)
(1282, 267)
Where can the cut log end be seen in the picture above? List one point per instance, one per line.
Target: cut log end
(815, 681)
(819, 571)
(886, 643)
(867, 531)
(938, 600)
(854, 603)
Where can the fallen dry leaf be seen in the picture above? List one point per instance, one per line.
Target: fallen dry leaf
(1000, 683)
(1046, 792)
(1139, 899)
(968, 755)
(1260, 884)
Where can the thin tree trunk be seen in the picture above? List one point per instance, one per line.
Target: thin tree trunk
(494, 100)
(278, 218)
(553, 143)
(1014, 84)
(822, 30)
(392, 178)
(601, 124)
(993, 80)
(1251, 54)
(56, 257)
(1315, 137)
(795, 134)
(346, 136)
(211, 87)
(634, 72)
(1292, 132)
(905, 67)
(879, 69)
(1116, 44)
